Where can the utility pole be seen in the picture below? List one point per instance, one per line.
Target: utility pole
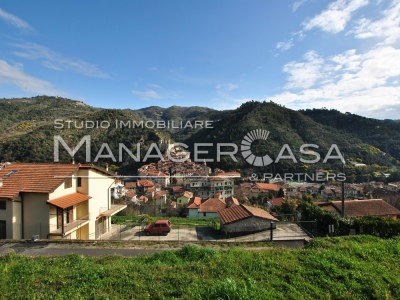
(343, 191)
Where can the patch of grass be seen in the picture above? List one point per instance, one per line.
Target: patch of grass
(358, 267)
(176, 221)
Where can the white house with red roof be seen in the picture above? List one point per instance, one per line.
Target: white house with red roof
(209, 208)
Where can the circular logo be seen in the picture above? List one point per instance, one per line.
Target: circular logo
(249, 138)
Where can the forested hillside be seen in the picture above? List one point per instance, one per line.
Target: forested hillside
(383, 134)
(28, 127)
(294, 129)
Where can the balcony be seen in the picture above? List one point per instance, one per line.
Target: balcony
(112, 210)
(72, 226)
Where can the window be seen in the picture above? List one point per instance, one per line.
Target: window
(68, 183)
(79, 181)
(2, 204)
(3, 231)
(204, 214)
(65, 215)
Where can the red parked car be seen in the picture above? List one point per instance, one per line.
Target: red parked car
(158, 227)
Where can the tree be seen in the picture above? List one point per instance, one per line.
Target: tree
(281, 193)
(288, 207)
(307, 198)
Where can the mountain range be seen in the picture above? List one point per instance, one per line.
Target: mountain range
(28, 127)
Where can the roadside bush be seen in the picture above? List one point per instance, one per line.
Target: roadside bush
(385, 228)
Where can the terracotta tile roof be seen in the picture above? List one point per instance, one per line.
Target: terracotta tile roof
(160, 194)
(145, 183)
(36, 178)
(188, 194)
(268, 186)
(329, 208)
(276, 201)
(233, 213)
(130, 185)
(216, 179)
(177, 189)
(194, 202)
(372, 207)
(231, 201)
(258, 212)
(212, 205)
(241, 212)
(69, 200)
(229, 174)
(130, 194)
(328, 191)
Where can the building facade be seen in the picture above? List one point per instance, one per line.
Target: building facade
(56, 201)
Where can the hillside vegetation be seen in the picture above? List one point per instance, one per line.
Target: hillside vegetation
(27, 130)
(18, 116)
(358, 267)
(293, 128)
(383, 134)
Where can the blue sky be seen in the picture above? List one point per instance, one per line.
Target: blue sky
(342, 54)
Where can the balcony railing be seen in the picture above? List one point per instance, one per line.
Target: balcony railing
(72, 226)
(112, 210)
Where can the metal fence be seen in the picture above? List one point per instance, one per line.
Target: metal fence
(185, 230)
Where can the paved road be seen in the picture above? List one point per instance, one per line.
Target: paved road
(53, 249)
(286, 235)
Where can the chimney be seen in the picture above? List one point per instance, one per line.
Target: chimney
(1, 182)
(106, 166)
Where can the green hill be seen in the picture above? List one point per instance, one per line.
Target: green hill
(28, 127)
(289, 127)
(383, 134)
(21, 115)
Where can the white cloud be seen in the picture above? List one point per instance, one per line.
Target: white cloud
(304, 74)
(147, 95)
(284, 46)
(15, 21)
(297, 4)
(227, 87)
(14, 75)
(335, 17)
(360, 83)
(58, 61)
(387, 27)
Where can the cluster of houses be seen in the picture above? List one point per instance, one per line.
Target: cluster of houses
(77, 201)
(172, 170)
(366, 190)
(362, 208)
